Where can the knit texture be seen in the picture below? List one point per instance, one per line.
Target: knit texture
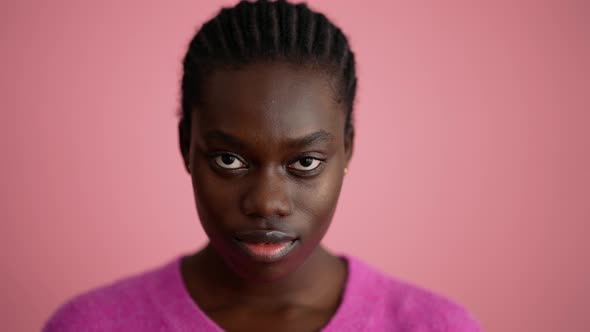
(157, 300)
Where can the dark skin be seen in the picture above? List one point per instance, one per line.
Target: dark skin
(267, 150)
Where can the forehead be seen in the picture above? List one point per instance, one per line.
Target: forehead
(270, 100)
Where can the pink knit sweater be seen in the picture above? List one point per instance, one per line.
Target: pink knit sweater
(157, 300)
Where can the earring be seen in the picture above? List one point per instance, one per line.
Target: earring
(345, 170)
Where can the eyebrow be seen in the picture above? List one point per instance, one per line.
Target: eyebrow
(218, 135)
(319, 136)
(313, 138)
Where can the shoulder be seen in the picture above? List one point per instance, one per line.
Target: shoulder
(113, 306)
(402, 304)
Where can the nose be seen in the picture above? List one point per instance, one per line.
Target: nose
(268, 195)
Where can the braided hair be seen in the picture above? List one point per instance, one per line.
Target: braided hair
(257, 31)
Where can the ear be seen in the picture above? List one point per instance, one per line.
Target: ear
(184, 139)
(348, 145)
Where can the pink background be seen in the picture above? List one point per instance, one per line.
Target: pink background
(471, 173)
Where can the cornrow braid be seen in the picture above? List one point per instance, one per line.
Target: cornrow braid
(265, 30)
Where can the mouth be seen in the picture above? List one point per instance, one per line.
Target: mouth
(266, 245)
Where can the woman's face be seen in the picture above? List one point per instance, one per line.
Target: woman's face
(267, 156)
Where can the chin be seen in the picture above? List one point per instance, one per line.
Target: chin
(262, 270)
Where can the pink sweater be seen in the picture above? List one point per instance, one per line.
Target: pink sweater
(157, 300)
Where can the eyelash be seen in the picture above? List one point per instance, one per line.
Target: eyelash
(215, 156)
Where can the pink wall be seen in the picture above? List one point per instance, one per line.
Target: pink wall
(471, 175)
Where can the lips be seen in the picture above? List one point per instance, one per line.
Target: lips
(266, 245)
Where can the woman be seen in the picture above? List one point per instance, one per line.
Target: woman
(266, 133)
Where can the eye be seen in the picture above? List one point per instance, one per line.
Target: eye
(228, 161)
(306, 164)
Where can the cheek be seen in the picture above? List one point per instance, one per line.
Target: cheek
(319, 201)
(213, 197)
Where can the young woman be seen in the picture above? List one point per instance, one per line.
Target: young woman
(266, 133)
